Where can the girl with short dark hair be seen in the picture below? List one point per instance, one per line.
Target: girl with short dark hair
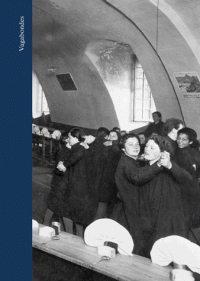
(151, 195)
(188, 157)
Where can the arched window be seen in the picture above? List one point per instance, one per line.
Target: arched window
(125, 80)
(39, 102)
(143, 102)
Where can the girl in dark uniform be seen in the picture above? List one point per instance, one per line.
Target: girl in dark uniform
(59, 182)
(151, 194)
(132, 212)
(166, 207)
(81, 199)
(188, 157)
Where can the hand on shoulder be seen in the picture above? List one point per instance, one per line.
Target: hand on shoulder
(85, 145)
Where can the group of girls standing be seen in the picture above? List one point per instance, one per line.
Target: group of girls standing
(159, 197)
(83, 186)
(72, 194)
(150, 196)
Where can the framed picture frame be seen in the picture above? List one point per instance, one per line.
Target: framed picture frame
(188, 82)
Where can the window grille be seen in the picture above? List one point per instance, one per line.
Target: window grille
(143, 101)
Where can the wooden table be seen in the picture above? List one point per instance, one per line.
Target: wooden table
(73, 249)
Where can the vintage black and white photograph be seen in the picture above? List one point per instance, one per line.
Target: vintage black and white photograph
(115, 139)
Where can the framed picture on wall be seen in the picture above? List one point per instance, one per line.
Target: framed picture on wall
(188, 82)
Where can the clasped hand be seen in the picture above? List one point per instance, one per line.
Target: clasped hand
(165, 160)
(61, 167)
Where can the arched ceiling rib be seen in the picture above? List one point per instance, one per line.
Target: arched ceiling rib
(61, 37)
(179, 23)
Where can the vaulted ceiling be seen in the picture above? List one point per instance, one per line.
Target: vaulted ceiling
(163, 34)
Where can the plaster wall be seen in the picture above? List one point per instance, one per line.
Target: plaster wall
(69, 26)
(175, 50)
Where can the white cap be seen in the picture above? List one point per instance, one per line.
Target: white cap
(176, 249)
(56, 134)
(103, 230)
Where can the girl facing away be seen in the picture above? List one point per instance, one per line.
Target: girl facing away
(80, 197)
(58, 188)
